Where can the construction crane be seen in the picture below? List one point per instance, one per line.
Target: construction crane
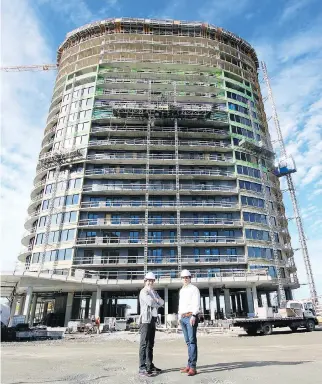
(291, 189)
(33, 68)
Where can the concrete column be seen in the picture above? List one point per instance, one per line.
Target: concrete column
(44, 314)
(33, 309)
(86, 314)
(211, 303)
(98, 302)
(218, 301)
(204, 305)
(138, 307)
(26, 307)
(166, 305)
(239, 306)
(268, 299)
(13, 310)
(250, 302)
(93, 303)
(233, 303)
(21, 304)
(255, 298)
(69, 306)
(227, 302)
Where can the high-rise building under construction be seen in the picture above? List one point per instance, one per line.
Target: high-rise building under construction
(156, 157)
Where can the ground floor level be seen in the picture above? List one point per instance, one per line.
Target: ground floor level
(57, 308)
(283, 357)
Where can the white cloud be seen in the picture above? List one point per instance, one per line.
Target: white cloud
(24, 104)
(293, 7)
(75, 11)
(219, 11)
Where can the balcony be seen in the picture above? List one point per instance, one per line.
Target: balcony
(28, 235)
(157, 205)
(155, 130)
(159, 222)
(220, 173)
(160, 188)
(140, 158)
(169, 144)
(173, 276)
(126, 261)
(130, 242)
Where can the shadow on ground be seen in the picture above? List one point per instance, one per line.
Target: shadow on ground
(237, 365)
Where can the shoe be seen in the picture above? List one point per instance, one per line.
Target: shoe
(155, 370)
(185, 370)
(192, 372)
(145, 373)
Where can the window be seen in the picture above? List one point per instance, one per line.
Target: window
(242, 131)
(134, 236)
(252, 201)
(40, 238)
(72, 199)
(36, 257)
(255, 217)
(240, 119)
(67, 235)
(237, 97)
(48, 188)
(250, 186)
(238, 108)
(74, 183)
(53, 237)
(42, 221)
(59, 201)
(80, 139)
(85, 114)
(247, 171)
(45, 204)
(56, 219)
(255, 234)
(70, 217)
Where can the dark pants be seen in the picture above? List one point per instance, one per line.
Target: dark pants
(190, 337)
(147, 344)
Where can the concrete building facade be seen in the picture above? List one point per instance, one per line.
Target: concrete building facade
(156, 157)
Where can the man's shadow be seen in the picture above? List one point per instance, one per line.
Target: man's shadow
(236, 365)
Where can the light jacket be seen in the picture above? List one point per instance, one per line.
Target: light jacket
(147, 303)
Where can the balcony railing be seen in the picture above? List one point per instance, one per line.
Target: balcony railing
(173, 274)
(208, 143)
(151, 204)
(164, 156)
(114, 128)
(157, 187)
(139, 260)
(160, 221)
(164, 240)
(156, 171)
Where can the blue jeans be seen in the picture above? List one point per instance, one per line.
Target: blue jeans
(190, 337)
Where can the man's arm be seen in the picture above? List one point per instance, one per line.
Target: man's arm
(195, 299)
(147, 299)
(160, 301)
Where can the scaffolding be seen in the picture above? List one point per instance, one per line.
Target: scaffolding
(291, 189)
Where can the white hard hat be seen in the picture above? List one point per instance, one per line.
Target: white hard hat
(149, 276)
(185, 273)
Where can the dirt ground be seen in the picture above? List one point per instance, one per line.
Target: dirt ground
(103, 359)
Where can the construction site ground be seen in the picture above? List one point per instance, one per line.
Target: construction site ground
(232, 358)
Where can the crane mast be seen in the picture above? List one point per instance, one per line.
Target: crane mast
(291, 189)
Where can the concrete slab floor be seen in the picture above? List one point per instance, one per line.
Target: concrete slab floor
(283, 357)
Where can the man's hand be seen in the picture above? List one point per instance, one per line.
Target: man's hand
(192, 321)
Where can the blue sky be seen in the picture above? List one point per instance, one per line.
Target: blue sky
(287, 35)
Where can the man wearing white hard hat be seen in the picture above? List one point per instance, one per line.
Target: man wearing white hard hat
(189, 308)
(150, 301)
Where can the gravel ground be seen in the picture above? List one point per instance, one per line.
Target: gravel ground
(113, 358)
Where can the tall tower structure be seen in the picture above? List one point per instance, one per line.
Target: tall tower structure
(157, 157)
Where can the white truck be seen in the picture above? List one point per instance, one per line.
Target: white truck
(293, 314)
